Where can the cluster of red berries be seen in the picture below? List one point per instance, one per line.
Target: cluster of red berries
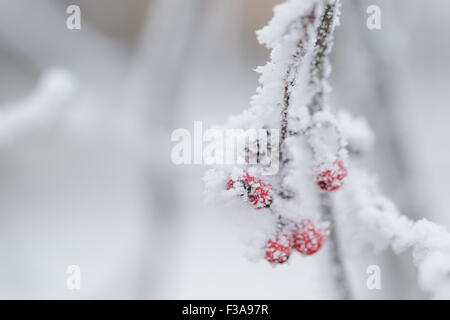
(257, 192)
(307, 238)
(332, 178)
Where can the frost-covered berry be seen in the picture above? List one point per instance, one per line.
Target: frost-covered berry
(257, 192)
(332, 178)
(278, 248)
(230, 184)
(308, 237)
(260, 195)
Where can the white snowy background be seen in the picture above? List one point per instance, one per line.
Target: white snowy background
(85, 123)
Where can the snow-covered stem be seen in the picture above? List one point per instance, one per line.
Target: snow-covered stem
(319, 74)
(306, 26)
(377, 222)
(292, 96)
(301, 50)
(320, 65)
(292, 91)
(340, 274)
(372, 218)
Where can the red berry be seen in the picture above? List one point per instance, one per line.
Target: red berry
(259, 193)
(308, 238)
(248, 178)
(332, 179)
(278, 248)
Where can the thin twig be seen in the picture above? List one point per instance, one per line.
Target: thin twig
(318, 81)
(290, 80)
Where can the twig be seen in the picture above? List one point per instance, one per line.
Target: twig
(318, 82)
(291, 76)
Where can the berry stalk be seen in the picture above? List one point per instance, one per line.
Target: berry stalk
(328, 180)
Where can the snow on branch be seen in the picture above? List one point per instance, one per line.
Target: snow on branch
(312, 184)
(300, 39)
(377, 221)
(290, 36)
(52, 93)
(380, 224)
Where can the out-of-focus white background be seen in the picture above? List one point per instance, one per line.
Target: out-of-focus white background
(91, 182)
